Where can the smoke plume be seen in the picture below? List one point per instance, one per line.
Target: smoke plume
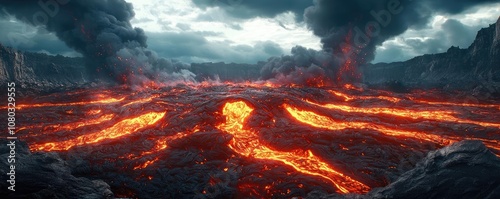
(101, 31)
(363, 25)
(350, 31)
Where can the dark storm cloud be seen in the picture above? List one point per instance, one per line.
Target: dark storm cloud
(456, 6)
(101, 31)
(194, 47)
(31, 39)
(451, 33)
(246, 9)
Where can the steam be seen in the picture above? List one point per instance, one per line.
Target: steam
(101, 31)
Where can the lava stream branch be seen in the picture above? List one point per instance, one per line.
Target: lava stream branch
(348, 98)
(122, 128)
(70, 126)
(443, 116)
(246, 143)
(101, 101)
(160, 145)
(319, 121)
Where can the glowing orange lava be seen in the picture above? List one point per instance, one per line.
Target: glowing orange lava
(247, 143)
(443, 116)
(319, 121)
(122, 128)
(101, 101)
(141, 101)
(59, 127)
(350, 97)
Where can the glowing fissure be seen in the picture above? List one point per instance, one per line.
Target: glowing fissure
(122, 128)
(141, 101)
(319, 121)
(246, 143)
(101, 101)
(347, 98)
(443, 116)
(58, 127)
(160, 145)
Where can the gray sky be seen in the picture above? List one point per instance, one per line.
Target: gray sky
(234, 33)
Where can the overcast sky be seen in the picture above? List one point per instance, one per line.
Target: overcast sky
(215, 31)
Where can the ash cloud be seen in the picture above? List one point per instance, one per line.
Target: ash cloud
(101, 31)
(350, 31)
(304, 67)
(363, 25)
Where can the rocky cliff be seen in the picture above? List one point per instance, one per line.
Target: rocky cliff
(30, 70)
(477, 67)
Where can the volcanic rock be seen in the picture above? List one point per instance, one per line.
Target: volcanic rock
(46, 175)
(466, 169)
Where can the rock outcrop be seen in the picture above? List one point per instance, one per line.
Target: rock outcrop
(45, 175)
(465, 169)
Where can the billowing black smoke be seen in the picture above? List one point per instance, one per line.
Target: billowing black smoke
(101, 31)
(303, 67)
(360, 26)
(350, 31)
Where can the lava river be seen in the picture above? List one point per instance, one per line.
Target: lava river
(255, 141)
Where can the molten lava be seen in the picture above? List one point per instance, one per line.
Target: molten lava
(122, 128)
(319, 121)
(255, 140)
(246, 143)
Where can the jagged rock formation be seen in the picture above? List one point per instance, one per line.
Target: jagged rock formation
(477, 67)
(465, 169)
(46, 175)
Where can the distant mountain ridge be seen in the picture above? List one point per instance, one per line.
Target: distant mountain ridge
(478, 65)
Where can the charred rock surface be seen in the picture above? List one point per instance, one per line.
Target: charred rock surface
(46, 175)
(255, 141)
(465, 169)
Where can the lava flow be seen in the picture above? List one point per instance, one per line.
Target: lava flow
(246, 143)
(249, 140)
